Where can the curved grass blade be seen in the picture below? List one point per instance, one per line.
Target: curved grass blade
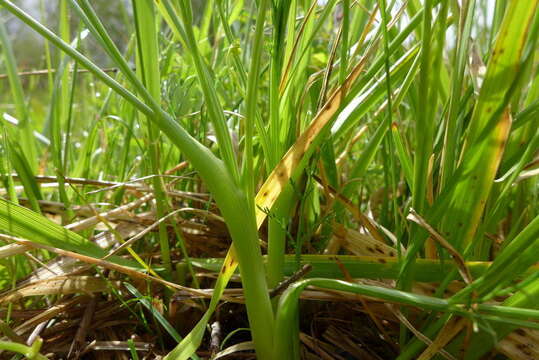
(210, 94)
(19, 221)
(30, 352)
(287, 320)
(482, 342)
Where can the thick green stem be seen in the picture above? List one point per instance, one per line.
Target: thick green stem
(245, 236)
(30, 352)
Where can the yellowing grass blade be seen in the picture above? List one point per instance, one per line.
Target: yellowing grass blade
(134, 273)
(59, 285)
(450, 330)
(489, 127)
(304, 145)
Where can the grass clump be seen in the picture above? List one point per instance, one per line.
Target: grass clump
(384, 151)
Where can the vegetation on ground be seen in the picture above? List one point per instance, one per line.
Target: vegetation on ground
(285, 179)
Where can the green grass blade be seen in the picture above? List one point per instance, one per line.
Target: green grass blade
(25, 135)
(191, 342)
(482, 342)
(251, 102)
(22, 167)
(160, 318)
(367, 267)
(488, 128)
(510, 263)
(424, 136)
(403, 155)
(148, 70)
(287, 323)
(449, 153)
(210, 95)
(21, 222)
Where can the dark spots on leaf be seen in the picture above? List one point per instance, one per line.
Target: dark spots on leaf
(379, 249)
(265, 194)
(391, 253)
(520, 332)
(489, 109)
(229, 264)
(460, 224)
(382, 261)
(369, 249)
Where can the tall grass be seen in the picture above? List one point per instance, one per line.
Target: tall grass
(410, 121)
